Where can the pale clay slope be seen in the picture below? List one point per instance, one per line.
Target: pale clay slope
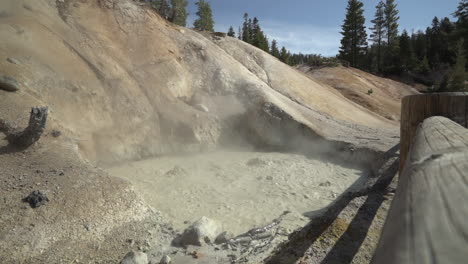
(118, 79)
(354, 84)
(123, 84)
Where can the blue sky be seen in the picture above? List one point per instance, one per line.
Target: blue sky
(313, 26)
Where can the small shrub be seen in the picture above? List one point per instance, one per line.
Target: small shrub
(370, 91)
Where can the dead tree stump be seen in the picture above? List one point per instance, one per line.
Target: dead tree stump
(32, 133)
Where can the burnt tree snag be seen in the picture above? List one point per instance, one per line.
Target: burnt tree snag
(31, 134)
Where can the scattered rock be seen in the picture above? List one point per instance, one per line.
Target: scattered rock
(56, 133)
(176, 171)
(166, 260)
(202, 108)
(134, 257)
(36, 199)
(223, 237)
(8, 84)
(13, 61)
(197, 255)
(203, 231)
(325, 184)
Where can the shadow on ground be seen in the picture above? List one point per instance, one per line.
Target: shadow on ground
(347, 246)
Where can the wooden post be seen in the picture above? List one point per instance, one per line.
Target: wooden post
(427, 221)
(416, 108)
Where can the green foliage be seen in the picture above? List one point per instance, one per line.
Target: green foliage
(274, 49)
(379, 32)
(231, 32)
(252, 33)
(459, 76)
(162, 7)
(247, 29)
(423, 66)
(461, 30)
(179, 12)
(391, 21)
(407, 56)
(205, 17)
(354, 42)
(284, 55)
(370, 91)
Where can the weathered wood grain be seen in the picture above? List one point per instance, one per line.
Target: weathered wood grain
(416, 108)
(428, 219)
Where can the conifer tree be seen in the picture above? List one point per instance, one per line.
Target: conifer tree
(179, 12)
(247, 29)
(274, 49)
(391, 21)
(354, 42)
(407, 57)
(379, 32)
(459, 76)
(205, 16)
(284, 55)
(391, 60)
(462, 23)
(231, 32)
(162, 7)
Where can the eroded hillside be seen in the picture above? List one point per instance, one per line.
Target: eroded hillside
(126, 84)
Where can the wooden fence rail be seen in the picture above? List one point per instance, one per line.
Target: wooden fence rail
(428, 218)
(416, 108)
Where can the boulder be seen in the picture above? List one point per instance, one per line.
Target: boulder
(135, 257)
(13, 61)
(165, 260)
(223, 237)
(201, 107)
(8, 84)
(203, 231)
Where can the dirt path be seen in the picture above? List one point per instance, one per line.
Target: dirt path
(240, 189)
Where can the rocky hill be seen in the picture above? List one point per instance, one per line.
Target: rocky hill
(123, 84)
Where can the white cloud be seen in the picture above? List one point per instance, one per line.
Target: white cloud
(304, 38)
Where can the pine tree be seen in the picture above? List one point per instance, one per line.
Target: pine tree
(162, 7)
(239, 33)
(424, 65)
(459, 76)
(274, 49)
(407, 57)
(246, 29)
(179, 12)
(379, 32)
(354, 42)
(284, 55)
(391, 21)
(391, 60)
(231, 32)
(205, 16)
(461, 30)
(435, 45)
(419, 43)
(258, 38)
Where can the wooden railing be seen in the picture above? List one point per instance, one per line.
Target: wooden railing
(428, 218)
(416, 108)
